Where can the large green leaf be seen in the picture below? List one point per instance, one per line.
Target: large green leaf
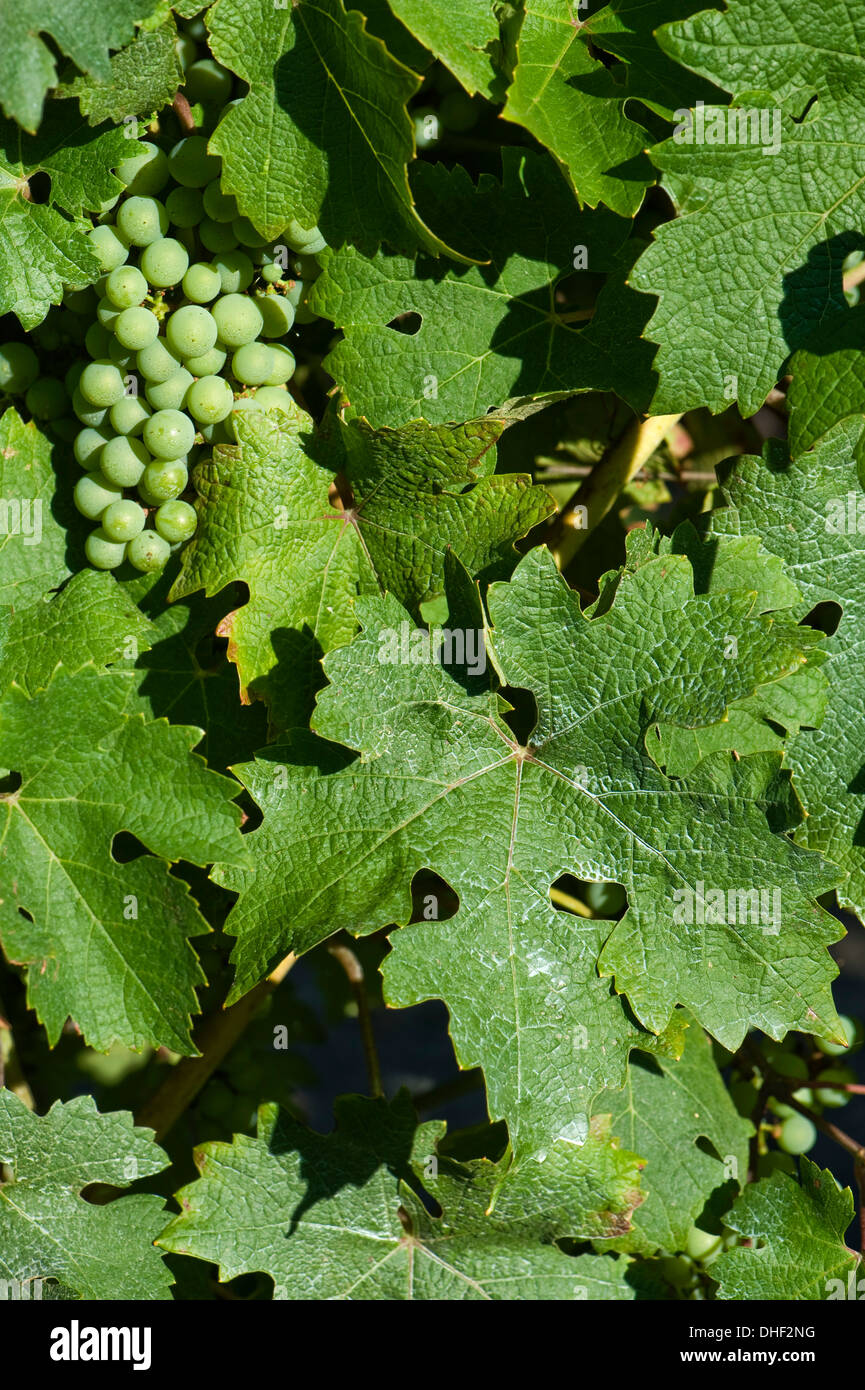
(33, 535)
(678, 1116)
(464, 34)
(629, 29)
(828, 378)
(143, 78)
(265, 518)
(340, 1216)
(43, 245)
(85, 33)
(796, 1247)
(48, 1231)
(106, 941)
(323, 135)
(491, 331)
(807, 511)
(575, 106)
(443, 783)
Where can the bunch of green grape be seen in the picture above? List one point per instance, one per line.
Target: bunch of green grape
(787, 1070)
(189, 327)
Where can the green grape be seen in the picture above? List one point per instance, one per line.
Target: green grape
(272, 273)
(158, 362)
(283, 365)
(122, 357)
(191, 165)
(236, 270)
(202, 282)
(125, 286)
(19, 368)
(169, 434)
(237, 319)
(252, 364)
(97, 341)
(678, 1271)
(109, 246)
(123, 460)
(207, 80)
(219, 206)
(853, 1032)
(306, 268)
(701, 1245)
(216, 236)
(790, 1064)
(107, 314)
(88, 414)
(186, 49)
(102, 552)
(93, 493)
(797, 1135)
(804, 1095)
(831, 1096)
(191, 330)
(275, 398)
(47, 399)
(176, 521)
(209, 399)
(129, 415)
(142, 220)
(137, 328)
(246, 234)
(207, 364)
(145, 173)
(123, 519)
(277, 313)
(88, 447)
(163, 480)
(170, 394)
(243, 404)
(164, 262)
(308, 242)
(606, 899)
(101, 383)
(186, 237)
(197, 29)
(148, 552)
(185, 207)
(80, 301)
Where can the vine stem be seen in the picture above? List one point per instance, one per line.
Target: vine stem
(217, 1036)
(183, 111)
(354, 972)
(598, 492)
(572, 904)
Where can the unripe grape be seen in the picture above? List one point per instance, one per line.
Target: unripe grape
(252, 364)
(101, 383)
(47, 399)
(19, 368)
(701, 1244)
(191, 330)
(209, 399)
(832, 1096)
(88, 446)
(246, 234)
(236, 270)
(797, 1135)
(185, 207)
(191, 165)
(142, 220)
(208, 363)
(129, 415)
(244, 404)
(123, 460)
(202, 283)
(148, 552)
(93, 493)
(109, 246)
(145, 173)
(107, 313)
(277, 314)
(123, 519)
(218, 237)
(158, 362)
(169, 434)
(238, 320)
(283, 365)
(164, 262)
(276, 398)
(170, 394)
(853, 1032)
(89, 414)
(137, 328)
(219, 206)
(97, 341)
(126, 286)
(176, 521)
(163, 480)
(309, 242)
(102, 552)
(207, 80)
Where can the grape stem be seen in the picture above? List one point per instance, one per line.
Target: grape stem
(215, 1039)
(570, 903)
(354, 972)
(183, 111)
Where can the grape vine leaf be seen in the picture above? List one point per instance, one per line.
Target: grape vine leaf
(47, 1230)
(807, 511)
(43, 245)
(443, 783)
(342, 1216)
(574, 105)
(465, 36)
(327, 103)
(492, 331)
(666, 1108)
(105, 941)
(828, 378)
(629, 29)
(265, 518)
(797, 1249)
(397, 39)
(33, 537)
(144, 77)
(84, 33)
(750, 46)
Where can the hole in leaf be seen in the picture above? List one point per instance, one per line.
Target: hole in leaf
(433, 900)
(825, 617)
(125, 848)
(605, 900)
(10, 783)
(408, 323)
(522, 719)
(39, 187)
